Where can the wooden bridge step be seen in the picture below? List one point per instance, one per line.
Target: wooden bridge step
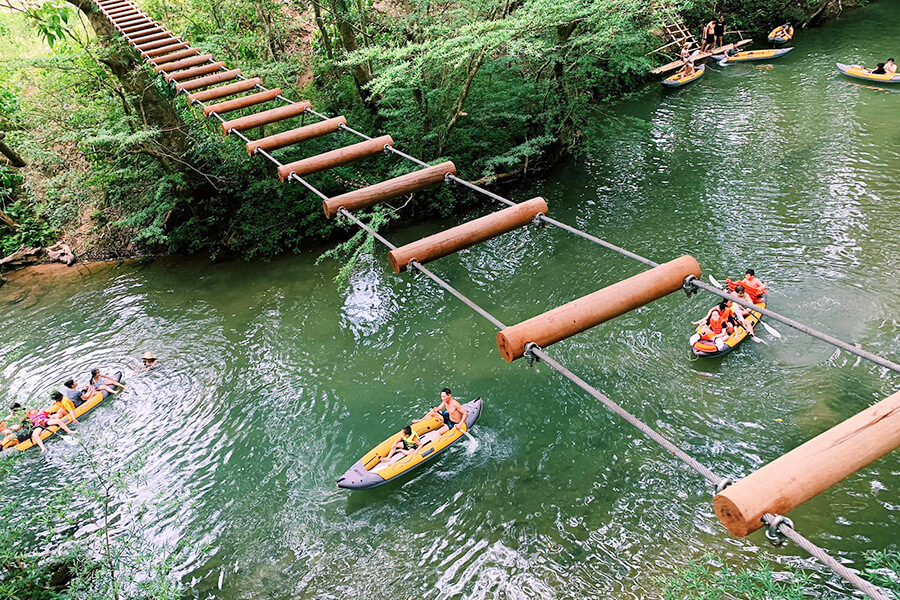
(225, 90)
(265, 117)
(390, 189)
(151, 37)
(195, 72)
(184, 63)
(335, 158)
(202, 82)
(167, 58)
(165, 50)
(158, 44)
(243, 102)
(295, 136)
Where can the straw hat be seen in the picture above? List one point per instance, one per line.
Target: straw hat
(148, 356)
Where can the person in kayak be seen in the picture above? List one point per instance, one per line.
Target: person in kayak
(62, 407)
(78, 397)
(889, 67)
(449, 410)
(687, 70)
(879, 70)
(408, 443)
(754, 287)
(102, 382)
(742, 312)
(149, 361)
(18, 426)
(785, 31)
(41, 420)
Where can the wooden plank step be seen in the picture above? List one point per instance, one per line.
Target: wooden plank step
(390, 189)
(167, 58)
(195, 72)
(151, 37)
(226, 90)
(185, 63)
(158, 52)
(202, 82)
(158, 44)
(295, 136)
(139, 30)
(265, 117)
(242, 102)
(335, 158)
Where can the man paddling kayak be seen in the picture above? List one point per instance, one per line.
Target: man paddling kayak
(449, 410)
(754, 287)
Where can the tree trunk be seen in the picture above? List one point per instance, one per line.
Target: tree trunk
(149, 104)
(474, 65)
(10, 154)
(326, 38)
(8, 221)
(361, 73)
(266, 20)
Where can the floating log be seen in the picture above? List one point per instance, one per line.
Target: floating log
(225, 90)
(195, 72)
(184, 63)
(242, 102)
(466, 235)
(265, 117)
(202, 82)
(811, 468)
(335, 158)
(151, 37)
(390, 189)
(157, 44)
(295, 136)
(167, 58)
(166, 49)
(601, 306)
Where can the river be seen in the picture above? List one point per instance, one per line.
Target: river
(274, 380)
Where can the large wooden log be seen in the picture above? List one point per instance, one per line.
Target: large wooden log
(295, 136)
(221, 108)
(390, 189)
(225, 90)
(133, 37)
(466, 235)
(202, 82)
(184, 63)
(811, 468)
(195, 72)
(121, 24)
(138, 28)
(265, 117)
(601, 306)
(335, 158)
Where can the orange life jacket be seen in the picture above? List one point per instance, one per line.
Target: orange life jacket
(716, 324)
(755, 288)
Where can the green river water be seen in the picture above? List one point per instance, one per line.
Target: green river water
(275, 380)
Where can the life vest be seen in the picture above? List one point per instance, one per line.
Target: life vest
(755, 288)
(39, 418)
(412, 441)
(716, 324)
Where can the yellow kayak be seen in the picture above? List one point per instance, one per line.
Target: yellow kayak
(858, 72)
(757, 55)
(781, 36)
(370, 471)
(80, 410)
(708, 348)
(678, 81)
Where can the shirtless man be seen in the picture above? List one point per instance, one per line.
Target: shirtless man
(449, 409)
(890, 67)
(708, 36)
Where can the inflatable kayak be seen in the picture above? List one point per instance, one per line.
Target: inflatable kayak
(709, 349)
(369, 471)
(678, 81)
(780, 36)
(754, 55)
(858, 72)
(82, 409)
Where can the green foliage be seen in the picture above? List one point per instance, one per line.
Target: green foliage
(33, 231)
(52, 20)
(883, 569)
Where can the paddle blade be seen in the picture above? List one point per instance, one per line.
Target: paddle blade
(715, 282)
(772, 331)
(67, 439)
